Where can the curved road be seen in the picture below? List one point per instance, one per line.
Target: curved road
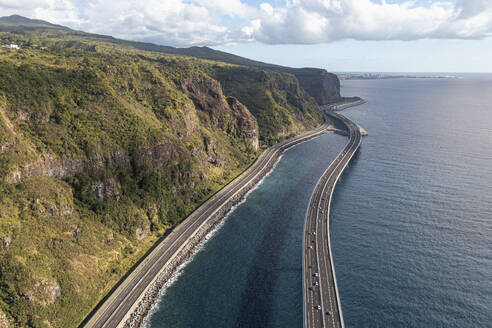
(116, 308)
(321, 301)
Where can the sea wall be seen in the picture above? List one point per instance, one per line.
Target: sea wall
(139, 312)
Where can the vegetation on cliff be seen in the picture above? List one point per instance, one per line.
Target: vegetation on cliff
(105, 147)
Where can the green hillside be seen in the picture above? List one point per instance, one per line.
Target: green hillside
(324, 87)
(105, 147)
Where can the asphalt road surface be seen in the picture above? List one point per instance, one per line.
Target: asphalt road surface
(114, 310)
(321, 301)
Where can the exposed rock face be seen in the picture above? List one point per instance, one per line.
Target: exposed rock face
(162, 152)
(109, 238)
(228, 114)
(246, 124)
(108, 189)
(5, 243)
(22, 115)
(207, 96)
(44, 293)
(3, 321)
(191, 121)
(61, 168)
(214, 156)
(46, 208)
(142, 232)
(324, 87)
(285, 83)
(153, 212)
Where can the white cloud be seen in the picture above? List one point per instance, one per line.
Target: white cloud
(213, 22)
(55, 11)
(173, 22)
(321, 21)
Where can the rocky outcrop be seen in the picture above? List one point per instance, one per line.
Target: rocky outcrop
(142, 232)
(214, 155)
(61, 168)
(153, 212)
(158, 154)
(164, 151)
(46, 208)
(228, 114)
(110, 238)
(206, 94)
(5, 242)
(321, 85)
(44, 293)
(324, 87)
(284, 83)
(107, 189)
(246, 124)
(3, 320)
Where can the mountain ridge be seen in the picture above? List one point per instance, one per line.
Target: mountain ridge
(323, 86)
(18, 21)
(105, 148)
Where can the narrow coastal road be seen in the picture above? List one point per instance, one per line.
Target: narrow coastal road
(123, 302)
(321, 300)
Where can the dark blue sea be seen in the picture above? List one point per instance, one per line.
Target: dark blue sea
(411, 223)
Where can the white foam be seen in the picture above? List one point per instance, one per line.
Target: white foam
(179, 271)
(201, 245)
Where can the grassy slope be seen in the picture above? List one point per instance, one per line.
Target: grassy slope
(74, 96)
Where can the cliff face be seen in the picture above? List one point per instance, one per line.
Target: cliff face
(226, 113)
(323, 86)
(104, 148)
(318, 83)
(245, 125)
(281, 106)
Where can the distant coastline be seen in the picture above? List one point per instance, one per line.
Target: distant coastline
(383, 76)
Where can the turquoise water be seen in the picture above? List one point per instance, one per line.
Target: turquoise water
(411, 221)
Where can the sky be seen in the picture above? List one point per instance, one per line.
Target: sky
(339, 35)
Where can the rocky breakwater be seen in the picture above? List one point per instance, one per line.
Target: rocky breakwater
(339, 106)
(139, 313)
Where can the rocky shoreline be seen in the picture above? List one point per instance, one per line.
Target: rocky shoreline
(138, 316)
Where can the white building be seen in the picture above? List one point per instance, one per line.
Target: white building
(11, 46)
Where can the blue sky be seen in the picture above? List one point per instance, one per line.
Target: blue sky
(339, 35)
(377, 56)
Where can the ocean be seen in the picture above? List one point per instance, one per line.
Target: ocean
(411, 221)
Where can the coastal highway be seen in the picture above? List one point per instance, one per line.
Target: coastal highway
(121, 303)
(321, 300)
